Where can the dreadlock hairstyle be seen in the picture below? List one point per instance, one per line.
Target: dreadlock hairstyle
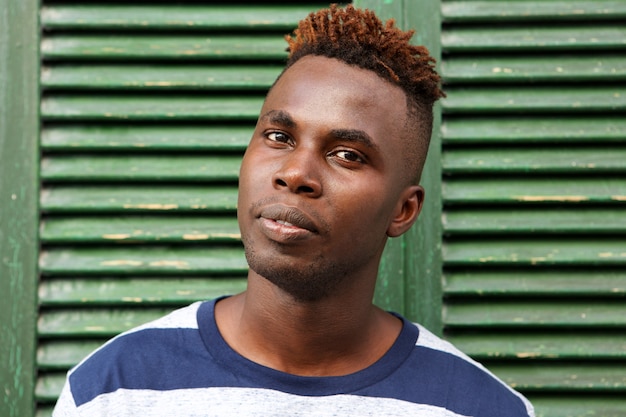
(359, 38)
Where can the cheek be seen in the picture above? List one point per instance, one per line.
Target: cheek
(247, 162)
(251, 173)
(369, 207)
(246, 183)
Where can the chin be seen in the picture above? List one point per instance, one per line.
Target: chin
(308, 283)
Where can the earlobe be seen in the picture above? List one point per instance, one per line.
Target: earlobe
(407, 210)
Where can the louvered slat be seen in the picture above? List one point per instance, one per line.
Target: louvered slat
(163, 77)
(48, 389)
(148, 108)
(548, 345)
(572, 377)
(142, 261)
(171, 17)
(138, 199)
(542, 129)
(536, 68)
(534, 194)
(129, 138)
(535, 314)
(567, 405)
(538, 251)
(169, 48)
(557, 282)
(533, 10)
(135, 291)
(134, 229)
(140, 168)
(535, 99)
(537, 160)
(533, 190)
(95, 323)
(534, 38)
(60, 355)
(462, 220)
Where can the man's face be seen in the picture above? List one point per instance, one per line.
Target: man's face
(323, 181)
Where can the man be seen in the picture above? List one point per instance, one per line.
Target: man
(331, 172)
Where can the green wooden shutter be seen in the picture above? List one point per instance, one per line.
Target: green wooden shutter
(534, 194)
(19, 167)
(146, 110)
(147, 107)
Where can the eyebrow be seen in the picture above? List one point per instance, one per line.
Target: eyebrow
(279, 117)
(283, 118)
(355, 135)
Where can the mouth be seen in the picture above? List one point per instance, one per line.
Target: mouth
(288, 218)
(284, 223)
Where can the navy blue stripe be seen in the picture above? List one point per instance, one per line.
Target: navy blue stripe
(167, 359)
(441, 379)
(159, 359)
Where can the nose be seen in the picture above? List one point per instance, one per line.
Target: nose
(299, 174)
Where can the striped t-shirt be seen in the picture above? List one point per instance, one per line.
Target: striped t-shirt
(180, 365)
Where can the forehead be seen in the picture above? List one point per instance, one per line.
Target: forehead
(325, 92)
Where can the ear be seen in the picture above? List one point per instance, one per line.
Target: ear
(406, 211)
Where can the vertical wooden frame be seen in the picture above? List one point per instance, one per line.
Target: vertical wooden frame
(410, 278)
(424, 261)
(390, 288)
(19, 162)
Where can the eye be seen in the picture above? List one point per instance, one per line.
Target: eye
(350, 156)
(278, 137)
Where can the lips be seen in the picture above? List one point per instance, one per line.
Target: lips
(288, 217)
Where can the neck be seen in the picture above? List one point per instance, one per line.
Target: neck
(337, 335)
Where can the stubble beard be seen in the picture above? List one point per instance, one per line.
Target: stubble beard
(308, 283)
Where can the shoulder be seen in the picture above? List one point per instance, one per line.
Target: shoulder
(429, 340)
(466, 381)
(138, 356)
(184, 318)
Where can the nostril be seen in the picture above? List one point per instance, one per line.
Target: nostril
(296, 180)
(294, 186)
(305, 189)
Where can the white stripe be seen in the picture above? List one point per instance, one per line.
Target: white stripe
(183, 318)
(208, 402)
(65, 406)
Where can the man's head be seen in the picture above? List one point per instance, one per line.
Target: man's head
(325, 179)
(359, 38)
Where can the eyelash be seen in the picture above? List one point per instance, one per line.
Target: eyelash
(357, 157)
(286, 139)
(285, 136)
